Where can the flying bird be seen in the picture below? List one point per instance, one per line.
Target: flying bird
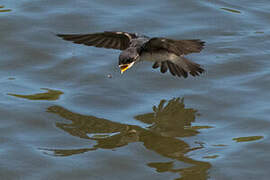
(168, 54)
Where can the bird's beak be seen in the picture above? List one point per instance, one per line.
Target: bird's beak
(124, 67)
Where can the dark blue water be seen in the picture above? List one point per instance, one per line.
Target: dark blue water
(62, 117)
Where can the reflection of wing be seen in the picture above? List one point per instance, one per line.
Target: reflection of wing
(113, 40)
(82, 126)
(180, 66)
(170, 118)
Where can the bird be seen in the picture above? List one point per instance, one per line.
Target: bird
(165, 53)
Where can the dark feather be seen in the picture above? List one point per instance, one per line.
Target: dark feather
(163, 67)
(182, 71)
(155, 65)
(194, 68)
(114, 40)
(172, 68)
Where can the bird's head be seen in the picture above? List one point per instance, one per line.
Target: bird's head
(128, 58)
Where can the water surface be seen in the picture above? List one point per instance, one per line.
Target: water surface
(62, 117)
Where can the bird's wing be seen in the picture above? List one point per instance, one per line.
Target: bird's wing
(113, 40)
(178, 47)
(179, 67)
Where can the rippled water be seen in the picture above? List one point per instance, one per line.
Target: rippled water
(63, 117)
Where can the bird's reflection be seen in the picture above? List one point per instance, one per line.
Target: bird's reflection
(169, 121)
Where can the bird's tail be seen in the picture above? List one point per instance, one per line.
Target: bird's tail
(193, 68)
(181, 67)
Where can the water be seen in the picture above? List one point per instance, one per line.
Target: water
(62, 117)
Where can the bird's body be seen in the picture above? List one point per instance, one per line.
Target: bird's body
(165, 53)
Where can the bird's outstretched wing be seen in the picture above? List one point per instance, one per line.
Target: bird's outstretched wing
(113, 40)
(179, 66)
(178, 47)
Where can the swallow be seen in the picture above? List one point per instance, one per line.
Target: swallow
(166, 54)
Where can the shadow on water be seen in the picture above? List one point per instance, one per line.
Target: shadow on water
(169, 121)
